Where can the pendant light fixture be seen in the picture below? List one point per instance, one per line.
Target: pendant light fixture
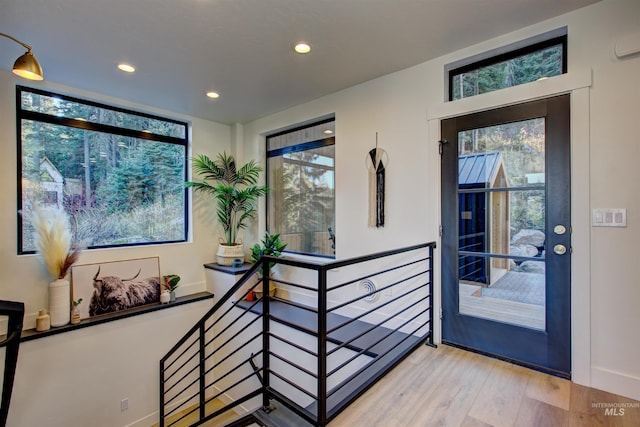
(27, 65)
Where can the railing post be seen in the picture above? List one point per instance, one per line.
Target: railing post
(161, 422)
(322, 347)
(203, 383)
(430, 341)
(266, 404)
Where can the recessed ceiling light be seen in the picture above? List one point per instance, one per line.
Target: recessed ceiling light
(328, 132)
(213, 95)
(126, 68)
(302, 47)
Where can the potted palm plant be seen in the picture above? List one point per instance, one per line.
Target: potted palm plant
(270, 245)
(236, 193)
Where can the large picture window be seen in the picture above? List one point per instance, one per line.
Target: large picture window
(300, 174)
(119, 174)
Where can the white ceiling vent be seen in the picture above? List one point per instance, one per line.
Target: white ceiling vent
(628, 45)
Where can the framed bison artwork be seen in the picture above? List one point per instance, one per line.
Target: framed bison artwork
(109, 287)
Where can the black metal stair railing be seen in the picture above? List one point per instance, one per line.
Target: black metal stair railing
(14, 312)
(331, 331)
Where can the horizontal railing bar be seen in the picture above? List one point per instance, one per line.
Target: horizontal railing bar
(296, 285)
(298, 346)
(295, 304)
(220, 314)
(357, 260)
(292, 384)
(375, 326)
(384, 288)
(368, 349)
(198, 378)
(231, 386)
(190, 371)
(294, 325)
(235, 351)
(168, 366)
(333, 412)
(376, 274)
(374, 309)
(295, 365)
(345, 262)
(179, 368)
(230, 338)
(196, 328)
(232, 322)
(335, 389)
(193, 396)
(232, 370)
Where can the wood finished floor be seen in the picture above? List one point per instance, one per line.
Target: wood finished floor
(452, 387)
(446, 386)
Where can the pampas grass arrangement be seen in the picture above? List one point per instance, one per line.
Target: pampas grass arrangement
(53, 241)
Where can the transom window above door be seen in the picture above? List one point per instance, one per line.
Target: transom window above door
(521, 63)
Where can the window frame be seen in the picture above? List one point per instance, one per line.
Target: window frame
(22, 114)
(534, 47)
(303, 146)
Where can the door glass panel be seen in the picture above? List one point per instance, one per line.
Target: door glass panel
(501, 237)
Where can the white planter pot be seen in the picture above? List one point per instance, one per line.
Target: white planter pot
(59, 302)
(227, 253)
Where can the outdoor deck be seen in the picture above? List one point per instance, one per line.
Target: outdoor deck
(516, 298)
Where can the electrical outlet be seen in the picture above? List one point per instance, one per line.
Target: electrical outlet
(124, 404)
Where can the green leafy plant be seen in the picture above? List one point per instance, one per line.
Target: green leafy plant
(171, 282)
(76, 302)
(235, 190)
(270, 245)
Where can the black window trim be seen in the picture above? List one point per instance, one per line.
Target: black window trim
(97, 127)
(511, 54)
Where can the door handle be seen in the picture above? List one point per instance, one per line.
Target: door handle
(560, 249)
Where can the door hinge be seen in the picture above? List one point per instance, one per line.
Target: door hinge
(440, 230)
(441, 144)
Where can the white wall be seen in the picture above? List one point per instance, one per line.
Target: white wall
(78, 378)
(85, 371)
(605, 157)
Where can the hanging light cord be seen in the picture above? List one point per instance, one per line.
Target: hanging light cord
(16, 40)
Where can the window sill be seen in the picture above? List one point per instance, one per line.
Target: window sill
(32, 334)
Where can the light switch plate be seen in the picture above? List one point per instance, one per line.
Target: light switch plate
(609, 218)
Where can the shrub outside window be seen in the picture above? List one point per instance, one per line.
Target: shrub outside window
(301, 176)
(119, 174)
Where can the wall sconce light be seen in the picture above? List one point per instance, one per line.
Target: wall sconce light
(27, 65)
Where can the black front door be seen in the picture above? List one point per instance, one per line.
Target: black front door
(506, 233)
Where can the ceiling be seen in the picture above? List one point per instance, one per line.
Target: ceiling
(243, 48)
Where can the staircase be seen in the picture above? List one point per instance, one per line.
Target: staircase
(302, 356)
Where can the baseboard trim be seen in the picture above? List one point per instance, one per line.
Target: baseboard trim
(615, 382)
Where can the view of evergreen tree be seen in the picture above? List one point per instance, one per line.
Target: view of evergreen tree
(301, 177)
(308, 198)
(523, 69)
(117, 189)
